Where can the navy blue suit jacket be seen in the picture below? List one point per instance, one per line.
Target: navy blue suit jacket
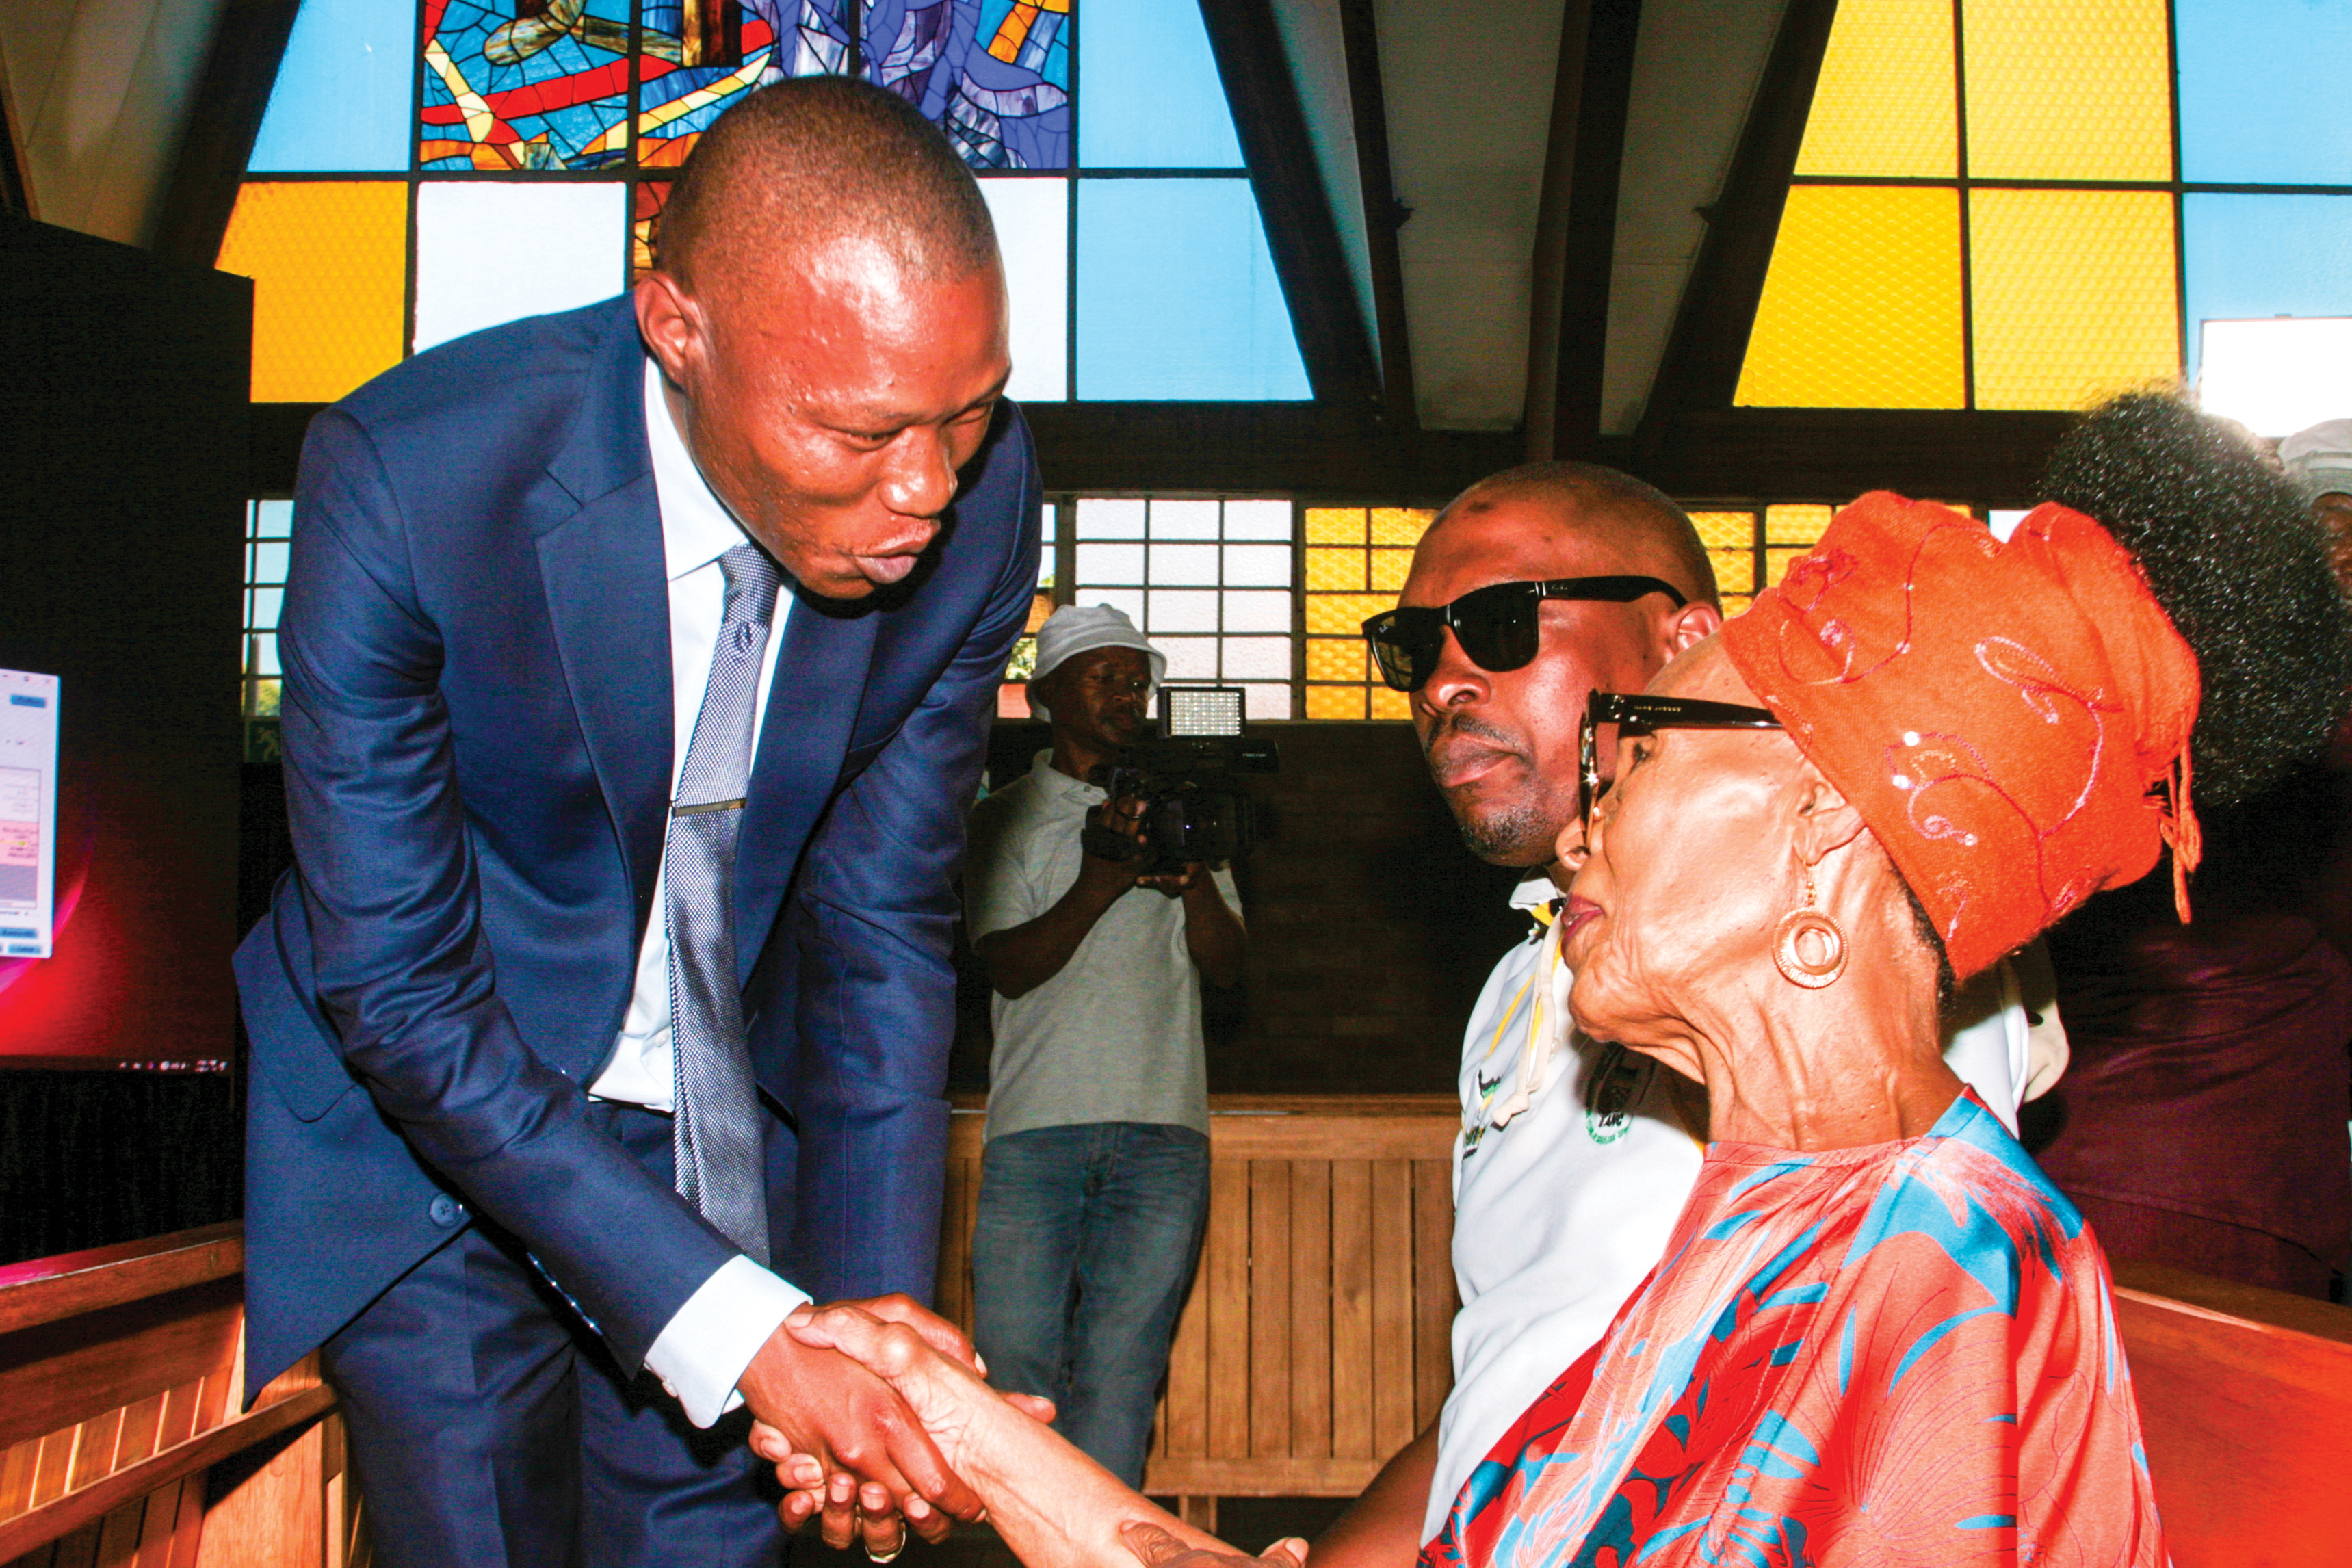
(476, 723)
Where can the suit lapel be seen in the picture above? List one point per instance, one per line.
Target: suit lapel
(811, 706)
(608, 600)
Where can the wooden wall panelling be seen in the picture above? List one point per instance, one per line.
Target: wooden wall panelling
(1224, 1278)
(1310, 1308)
(1271, 1366)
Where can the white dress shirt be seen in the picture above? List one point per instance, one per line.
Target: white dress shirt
(702, 1350)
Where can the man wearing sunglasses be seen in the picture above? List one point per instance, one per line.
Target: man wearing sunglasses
(1533, 591)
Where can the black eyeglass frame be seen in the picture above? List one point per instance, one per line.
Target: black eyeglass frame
(1506, 638)
(1635, 714)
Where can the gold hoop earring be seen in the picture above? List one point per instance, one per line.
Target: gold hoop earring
(1789, 939)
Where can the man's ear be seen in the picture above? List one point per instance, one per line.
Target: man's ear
(1826, 820)
(673, 326)
(1690, 625)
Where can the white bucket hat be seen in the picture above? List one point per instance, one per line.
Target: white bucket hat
(1075, 629)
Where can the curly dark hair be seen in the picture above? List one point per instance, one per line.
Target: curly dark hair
(2233, 553)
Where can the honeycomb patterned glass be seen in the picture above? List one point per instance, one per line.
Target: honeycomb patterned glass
(1884, 103)
(2059, 90)
(2074, 295)
(1796, 525)
(1731, 540)
(1862, 305)
(1357, 560)
(329, 260)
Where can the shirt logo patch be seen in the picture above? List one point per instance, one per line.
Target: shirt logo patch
(1617, 1082)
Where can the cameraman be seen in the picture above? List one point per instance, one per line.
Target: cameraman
(1095, 1187)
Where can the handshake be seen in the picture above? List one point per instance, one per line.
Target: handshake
(878, 1418)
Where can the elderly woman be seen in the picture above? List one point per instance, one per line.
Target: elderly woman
(1878, 1335)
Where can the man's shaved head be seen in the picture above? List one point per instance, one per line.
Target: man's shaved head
(1503, 744)
(815, 159)
(1641, 524)
(829, 314)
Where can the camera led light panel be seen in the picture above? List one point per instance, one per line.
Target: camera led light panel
(1201, 710)
(28, 812)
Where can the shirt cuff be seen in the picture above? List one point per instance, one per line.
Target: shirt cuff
(704, 1348)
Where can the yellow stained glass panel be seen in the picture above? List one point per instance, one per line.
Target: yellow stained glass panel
(1734, 570)
(1387, 704)
(329, 260)
(1335, 702)
(1329, 658)
(1337, 569)
(1335, 525)
(1795, 524)
(1736, 604)
(1390, 569)
(1884, 103)
(2073, 293)
(1401, 525)
(1862, 304)
(1344, 614)
(1776, 563)
(1718, 528)
(2059, 90)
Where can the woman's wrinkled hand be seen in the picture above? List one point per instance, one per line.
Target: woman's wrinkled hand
(1156, 1546)
(946, 1394)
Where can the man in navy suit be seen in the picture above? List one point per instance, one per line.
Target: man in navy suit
(638, 666)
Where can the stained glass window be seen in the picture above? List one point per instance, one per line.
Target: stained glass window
(1987, 213)
(269, 530)
(1209, 582)
(1356, 561)
(526, 147)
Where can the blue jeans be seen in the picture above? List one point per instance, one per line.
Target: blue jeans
(1083, 1245)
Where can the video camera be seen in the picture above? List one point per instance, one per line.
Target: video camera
(1187, 776)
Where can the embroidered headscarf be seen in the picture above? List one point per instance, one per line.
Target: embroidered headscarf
(2012, 720)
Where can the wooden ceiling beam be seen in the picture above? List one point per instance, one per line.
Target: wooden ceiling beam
(1700, 368)
(230, 102)
(1299, 229)
(1384, 214)
(1576, 227)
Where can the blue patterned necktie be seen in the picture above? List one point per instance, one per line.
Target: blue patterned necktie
(716, 1134)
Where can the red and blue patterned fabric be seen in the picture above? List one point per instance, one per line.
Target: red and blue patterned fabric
(1903, 1353)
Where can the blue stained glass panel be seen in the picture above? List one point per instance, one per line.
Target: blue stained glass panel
(2248, 255)
(1153, 97)
(341, 101)
(993, 73)
(2263, 85)
(1177, 295)
(508, 92)
(677, 99)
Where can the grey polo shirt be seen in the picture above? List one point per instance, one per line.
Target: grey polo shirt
(1115, 1036)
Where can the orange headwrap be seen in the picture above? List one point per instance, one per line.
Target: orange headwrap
(2011, 720)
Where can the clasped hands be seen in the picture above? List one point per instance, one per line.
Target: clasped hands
(967, 1451)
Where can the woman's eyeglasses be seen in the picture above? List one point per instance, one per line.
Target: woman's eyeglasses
(1497, 625)
(1635, 715)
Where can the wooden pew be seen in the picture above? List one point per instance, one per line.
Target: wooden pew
(1316, 1342)
(2246, 1397)
(120, 1441)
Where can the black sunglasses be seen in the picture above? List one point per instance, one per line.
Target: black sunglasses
(1497, 625)
(1641, 716)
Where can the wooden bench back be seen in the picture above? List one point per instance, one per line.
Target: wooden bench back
(1316, 1342)
(120, 1438)
(2245, 1396)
